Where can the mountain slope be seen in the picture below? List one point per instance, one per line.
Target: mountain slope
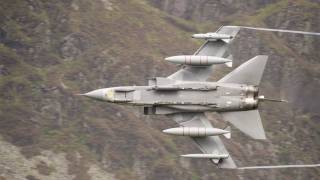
(50, 50)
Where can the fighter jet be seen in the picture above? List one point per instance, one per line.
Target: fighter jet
(186, 96)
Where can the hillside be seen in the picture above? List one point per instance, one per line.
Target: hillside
(51, 50)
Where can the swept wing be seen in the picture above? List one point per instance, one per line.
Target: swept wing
(208, 144)
(216, 48)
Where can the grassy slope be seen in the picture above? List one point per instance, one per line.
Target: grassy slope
(111, 47)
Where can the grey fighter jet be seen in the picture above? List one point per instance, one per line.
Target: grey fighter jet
(185, 96)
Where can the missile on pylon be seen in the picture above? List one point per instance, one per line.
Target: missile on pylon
(207, 156)
(198, 60)
(212, 36)
(197, 131)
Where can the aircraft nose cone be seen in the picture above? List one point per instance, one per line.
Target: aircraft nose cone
(95, 94)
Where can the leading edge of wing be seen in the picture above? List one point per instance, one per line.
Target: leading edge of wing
(209, 144)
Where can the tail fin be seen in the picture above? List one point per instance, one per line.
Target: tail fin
(249, 72)
(249, 122)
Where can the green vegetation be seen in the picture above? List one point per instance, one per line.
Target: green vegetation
(51, 50)
(267, 11)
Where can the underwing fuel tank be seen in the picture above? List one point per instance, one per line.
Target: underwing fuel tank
(197, 131)
(207, 156)
(197, 60)
(214, 36)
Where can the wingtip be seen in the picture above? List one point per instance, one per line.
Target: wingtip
(261, 57)
(227, 164)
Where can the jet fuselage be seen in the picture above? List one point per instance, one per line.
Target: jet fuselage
(182, 96)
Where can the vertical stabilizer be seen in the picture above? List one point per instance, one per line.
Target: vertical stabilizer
(249, 72)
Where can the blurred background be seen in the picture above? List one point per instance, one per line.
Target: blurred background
(51, 49)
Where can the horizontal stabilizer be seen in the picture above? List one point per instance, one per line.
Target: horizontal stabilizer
(249, 122)
(249, 72)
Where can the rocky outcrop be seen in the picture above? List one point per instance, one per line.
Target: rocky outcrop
(50, 51)
(47, 165)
